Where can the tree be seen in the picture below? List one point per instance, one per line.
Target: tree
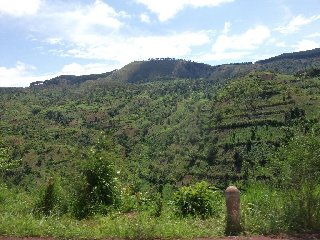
(6, 161)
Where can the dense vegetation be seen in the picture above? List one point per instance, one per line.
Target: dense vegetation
(296, 56)
(141, 158)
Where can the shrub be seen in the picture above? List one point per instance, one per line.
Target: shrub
(296, 168)
(6, 161)
(302, 209)
(51, 200)
(98, 189)
(198, 200)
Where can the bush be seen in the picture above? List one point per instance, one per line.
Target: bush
(51, 200)
(97, 190)
(296, 168)
(198, 200)
(302, 209)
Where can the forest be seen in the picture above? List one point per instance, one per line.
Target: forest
(147, 151)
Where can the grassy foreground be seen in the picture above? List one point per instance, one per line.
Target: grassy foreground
(17, 219)
(264, 211)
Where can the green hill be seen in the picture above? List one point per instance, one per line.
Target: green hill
(170, 131)
(160, 69)
(169, 68)
(123, 145)
(65, 80)
(172, 120)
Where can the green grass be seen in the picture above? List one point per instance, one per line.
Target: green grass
(264, 211)
(17, 219)
(133, 226)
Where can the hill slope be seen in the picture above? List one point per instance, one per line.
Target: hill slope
(160, 69)
(191, 127)
(165, 131)
(168, 69)
(65, 80)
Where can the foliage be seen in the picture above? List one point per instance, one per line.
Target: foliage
(263, 210)
(98, 189)
(165, 131)
(52, 200)
(314, 72)
(197, 200)
(6, 162)
(297, 170)
(161, 132)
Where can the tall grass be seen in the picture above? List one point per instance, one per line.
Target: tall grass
(267, 210)
(18, 219)
(263, 210)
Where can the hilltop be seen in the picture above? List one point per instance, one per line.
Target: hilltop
(169, 68)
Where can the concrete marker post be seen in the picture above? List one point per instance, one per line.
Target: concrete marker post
(233, 226)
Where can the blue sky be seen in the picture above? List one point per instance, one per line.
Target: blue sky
(41, 39)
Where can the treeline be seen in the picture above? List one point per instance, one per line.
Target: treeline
(315, 53)
(69, 79)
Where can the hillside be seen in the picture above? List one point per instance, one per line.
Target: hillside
(65, 80)
(160, 69)
(172, 121)
(303, 55)
(169, 68)
(128, 158)
(176, 131)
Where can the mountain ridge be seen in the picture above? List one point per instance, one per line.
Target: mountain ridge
(171, 68)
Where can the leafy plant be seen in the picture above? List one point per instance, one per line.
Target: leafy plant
(200, 199)
(297, 171)
(6, 161)
(98, 189)
(52, 200)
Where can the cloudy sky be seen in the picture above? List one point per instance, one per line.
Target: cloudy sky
(40, 39)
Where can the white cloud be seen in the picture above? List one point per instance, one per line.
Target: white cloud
(145, 18)
(99, 14)
(22, 74)
(167, 9)
(249, 40)
(124, 50)
(82, 25)
(85, 20)
(54, 40)
(19, 8)
(305, 45)
(226, 29)
(236, 47)
(75, 33)
(223, 56)
(78, 69)
(314, 35)
(296, 23)
(19, 75)
(281, 44)
(277, 43)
